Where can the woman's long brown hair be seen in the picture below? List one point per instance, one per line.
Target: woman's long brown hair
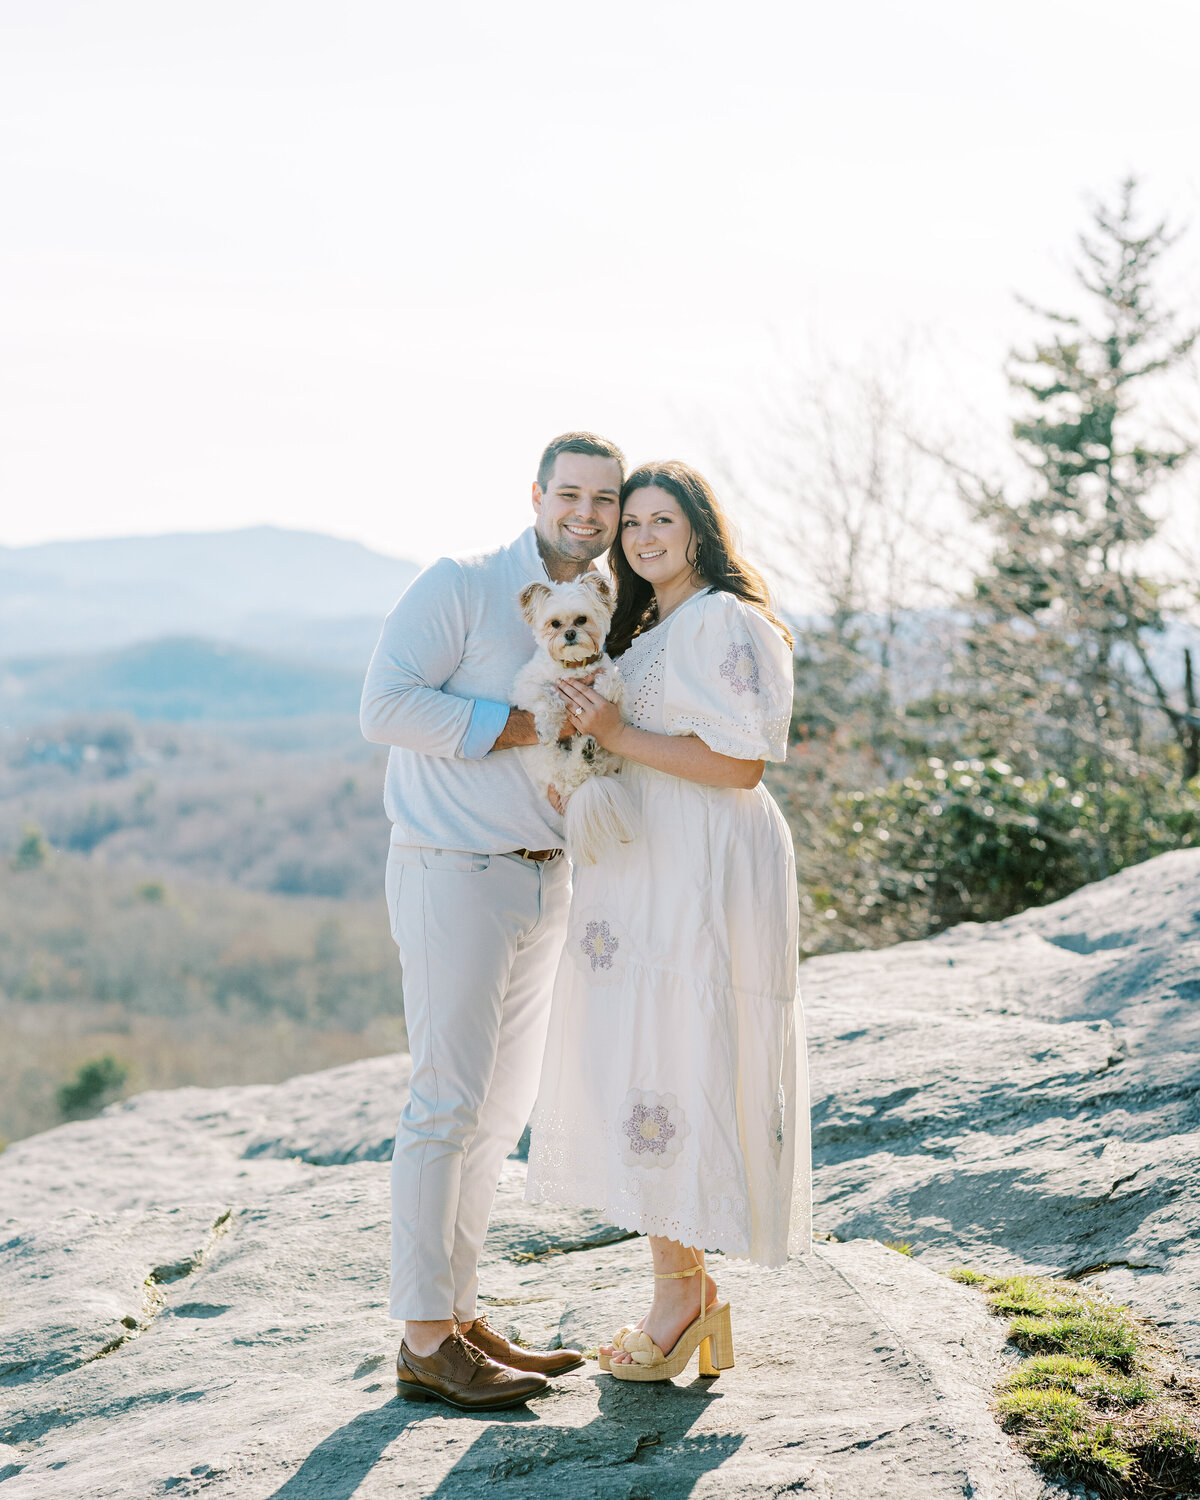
(714, 558)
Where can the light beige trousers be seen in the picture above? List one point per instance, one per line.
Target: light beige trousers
(479, 938)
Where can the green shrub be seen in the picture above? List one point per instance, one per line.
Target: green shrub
(32, 851)
(972, 840)
(93, 1084)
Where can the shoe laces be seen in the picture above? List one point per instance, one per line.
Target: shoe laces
(476, 1356)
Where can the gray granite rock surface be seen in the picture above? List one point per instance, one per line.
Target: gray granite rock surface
(192, 1284)
(252, 1359)
(1026, 1093)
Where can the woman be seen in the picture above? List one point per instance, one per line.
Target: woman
(674, 1093)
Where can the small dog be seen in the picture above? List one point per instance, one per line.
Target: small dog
(570, 622)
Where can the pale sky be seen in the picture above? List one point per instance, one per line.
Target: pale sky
(347, 266)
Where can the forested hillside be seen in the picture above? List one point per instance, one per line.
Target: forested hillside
(112, 982)
(192, 907)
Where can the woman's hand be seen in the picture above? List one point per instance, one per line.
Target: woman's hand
(589, 713)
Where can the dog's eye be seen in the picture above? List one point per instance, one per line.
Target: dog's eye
(555, 624)
(581, 619)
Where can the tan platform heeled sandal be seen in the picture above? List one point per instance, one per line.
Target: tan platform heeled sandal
(618, 1344)
(618, 1339)
(711, 1332)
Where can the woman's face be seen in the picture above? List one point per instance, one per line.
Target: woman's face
(656, 537)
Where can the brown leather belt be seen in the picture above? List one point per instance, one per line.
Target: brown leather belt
(540, 855)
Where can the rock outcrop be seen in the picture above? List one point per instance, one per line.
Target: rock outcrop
(1026, 1093)
(192, 1285)
(194, 1306)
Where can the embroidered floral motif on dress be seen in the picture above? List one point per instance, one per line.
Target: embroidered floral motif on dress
(571, 1163)
(740, 668)
(649, 1129)
(653, 1128)
(599, 943)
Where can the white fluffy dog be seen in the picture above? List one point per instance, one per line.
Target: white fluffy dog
(570, 622)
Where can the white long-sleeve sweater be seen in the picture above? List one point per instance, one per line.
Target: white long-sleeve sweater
(437, 691)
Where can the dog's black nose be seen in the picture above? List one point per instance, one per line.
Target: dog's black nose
(568, 635)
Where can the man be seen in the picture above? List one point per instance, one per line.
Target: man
(477, 890)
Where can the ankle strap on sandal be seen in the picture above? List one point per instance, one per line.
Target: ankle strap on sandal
(696, 1270)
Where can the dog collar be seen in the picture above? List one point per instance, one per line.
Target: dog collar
(589, 661)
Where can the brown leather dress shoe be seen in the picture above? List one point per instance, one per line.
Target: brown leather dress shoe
(540, 1361)
(460, 1375)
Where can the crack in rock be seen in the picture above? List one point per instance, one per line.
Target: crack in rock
(517, 1301)
(600, 1241)
(645, 1440)
(154, 1297)
(1096, 1268)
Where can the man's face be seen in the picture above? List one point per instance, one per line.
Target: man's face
(578, 511)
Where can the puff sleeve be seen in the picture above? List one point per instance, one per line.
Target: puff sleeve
(727, 679)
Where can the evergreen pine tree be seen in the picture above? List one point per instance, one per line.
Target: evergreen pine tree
(1060, 672)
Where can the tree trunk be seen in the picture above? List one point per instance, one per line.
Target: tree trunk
(1191, 742)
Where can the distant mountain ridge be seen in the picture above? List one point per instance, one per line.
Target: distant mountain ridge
(270, 624)
(178, 680)
(297, 593)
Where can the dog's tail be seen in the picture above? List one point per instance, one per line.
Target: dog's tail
(599, 815)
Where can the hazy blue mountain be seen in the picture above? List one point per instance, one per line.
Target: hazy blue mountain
(295, 592)
(175, 679)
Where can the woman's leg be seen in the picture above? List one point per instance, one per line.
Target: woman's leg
(677, 1299)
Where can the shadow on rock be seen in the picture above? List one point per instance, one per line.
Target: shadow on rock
(339, 1463)
(643, 1427)
(642, 1433)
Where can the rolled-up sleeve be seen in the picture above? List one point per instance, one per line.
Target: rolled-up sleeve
(487, 720)
(420, 647)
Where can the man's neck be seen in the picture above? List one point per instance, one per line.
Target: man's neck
(560, 569)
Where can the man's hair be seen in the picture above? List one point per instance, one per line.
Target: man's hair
(577, 442)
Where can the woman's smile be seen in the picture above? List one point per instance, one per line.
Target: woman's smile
(656, 537)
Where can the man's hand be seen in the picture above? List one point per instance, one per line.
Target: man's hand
(518, 730)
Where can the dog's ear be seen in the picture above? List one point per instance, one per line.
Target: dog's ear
(531, 596)
(599, 585)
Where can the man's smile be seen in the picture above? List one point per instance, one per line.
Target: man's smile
(580, 529)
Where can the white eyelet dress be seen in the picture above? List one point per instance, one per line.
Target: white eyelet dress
(674, 1090)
